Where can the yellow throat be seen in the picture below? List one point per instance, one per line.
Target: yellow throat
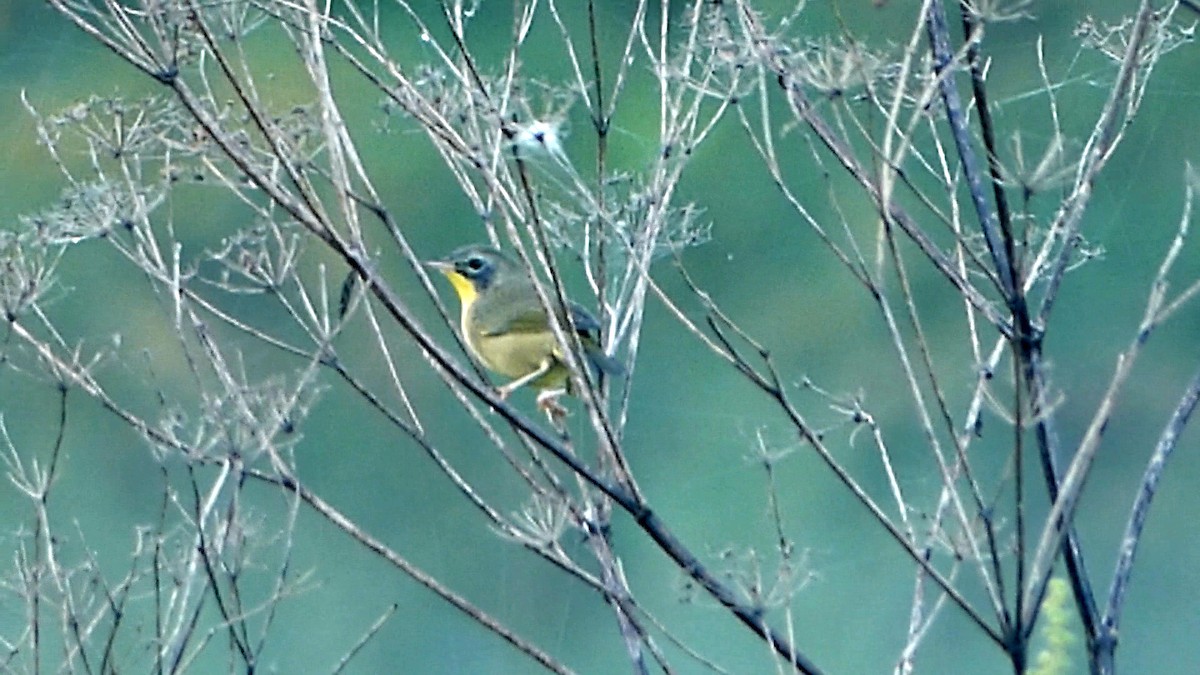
(464, 287)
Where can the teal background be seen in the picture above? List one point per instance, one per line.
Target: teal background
(690, 428)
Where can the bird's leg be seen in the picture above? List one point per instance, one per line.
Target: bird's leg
(509, 388)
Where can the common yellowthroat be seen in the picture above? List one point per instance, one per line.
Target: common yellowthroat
(507, 328)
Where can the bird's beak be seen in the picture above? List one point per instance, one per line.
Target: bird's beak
(440, 265)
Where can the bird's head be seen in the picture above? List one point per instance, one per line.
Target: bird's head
(473, 269)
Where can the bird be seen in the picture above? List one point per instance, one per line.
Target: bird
(507, 329)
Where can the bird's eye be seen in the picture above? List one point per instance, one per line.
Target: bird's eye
(475, 263)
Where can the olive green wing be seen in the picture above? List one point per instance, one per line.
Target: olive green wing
(505, 311)
(516, 308)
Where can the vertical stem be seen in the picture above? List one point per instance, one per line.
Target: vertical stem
(600, 121)
(1017, 644)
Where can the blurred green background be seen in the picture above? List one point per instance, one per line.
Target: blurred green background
(690, 427)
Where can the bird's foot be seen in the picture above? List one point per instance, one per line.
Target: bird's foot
(547, 401)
